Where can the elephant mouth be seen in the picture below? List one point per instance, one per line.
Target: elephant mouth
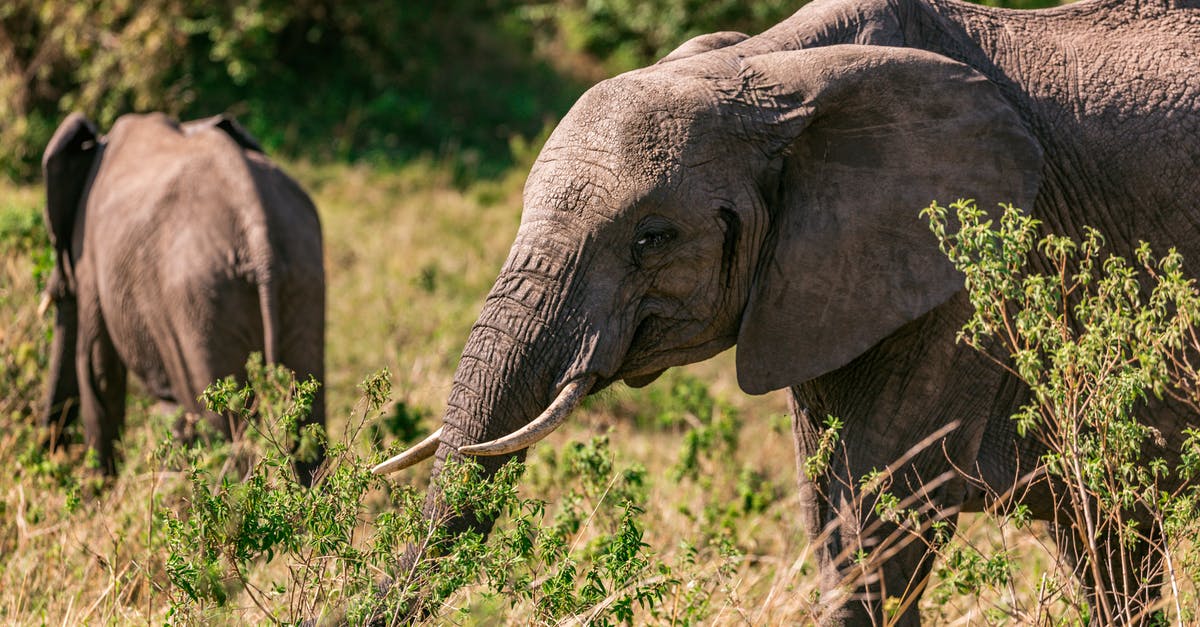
(641, 381)
(664, 341)
(553, 417)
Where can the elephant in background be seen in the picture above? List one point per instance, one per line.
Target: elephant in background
(180, 249)
(764, 191)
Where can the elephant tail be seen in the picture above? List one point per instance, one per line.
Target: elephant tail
(268, 306)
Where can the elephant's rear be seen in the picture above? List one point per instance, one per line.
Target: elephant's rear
(272, 269)
(292, 290)
(226, 253)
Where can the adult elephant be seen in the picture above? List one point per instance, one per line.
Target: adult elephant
(180, 249)
(763, 191)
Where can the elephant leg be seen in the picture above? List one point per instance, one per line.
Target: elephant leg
(203, 340)
(182, 420)
(304, 353)
(1130, 574)
(873, 566)
(913, 410)
(102, 381)
(61, 405)
(191, 371)
(213, 340)
(303, 350)
(883, 568)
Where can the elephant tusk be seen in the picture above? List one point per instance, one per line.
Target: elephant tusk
(422, 451)
(44, 305)
(568, 399)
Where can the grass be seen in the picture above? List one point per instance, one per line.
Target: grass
(410, 255)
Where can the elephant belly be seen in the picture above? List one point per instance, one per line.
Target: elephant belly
(1007, 460)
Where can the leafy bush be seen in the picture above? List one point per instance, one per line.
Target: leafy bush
(332, 553)
(1096, 339)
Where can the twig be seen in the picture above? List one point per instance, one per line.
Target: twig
(112, 582)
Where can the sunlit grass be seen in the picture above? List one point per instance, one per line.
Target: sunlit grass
(409, 258)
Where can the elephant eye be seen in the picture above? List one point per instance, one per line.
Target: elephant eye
(650, 240)
(654, 239)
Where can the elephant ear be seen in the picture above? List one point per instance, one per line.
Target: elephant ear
(227, 124)
(66, 164)
(865, 137)
(704, 43)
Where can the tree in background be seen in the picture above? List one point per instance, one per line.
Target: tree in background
(339, 80)
(325, 79)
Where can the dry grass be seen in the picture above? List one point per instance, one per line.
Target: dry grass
(409, 259)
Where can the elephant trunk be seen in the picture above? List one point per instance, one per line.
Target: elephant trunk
(554, 416)
(521, 360)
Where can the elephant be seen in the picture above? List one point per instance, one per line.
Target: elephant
(180, 249)
(763, 192)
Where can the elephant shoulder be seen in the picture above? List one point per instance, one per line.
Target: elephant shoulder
(279, 192)
(143, 134)
(225, 124)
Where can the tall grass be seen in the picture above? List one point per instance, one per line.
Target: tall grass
(673, 504)
(410, 255)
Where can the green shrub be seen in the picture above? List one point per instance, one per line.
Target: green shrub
(255, 512)
(1095, 338)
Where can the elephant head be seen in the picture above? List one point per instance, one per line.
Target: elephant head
(714, 199)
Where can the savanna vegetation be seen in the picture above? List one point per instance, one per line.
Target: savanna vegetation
(412, 127)
(223, 533)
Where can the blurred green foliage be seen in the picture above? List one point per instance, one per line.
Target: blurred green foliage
(626, 34)
(363, 79)
(324, 79)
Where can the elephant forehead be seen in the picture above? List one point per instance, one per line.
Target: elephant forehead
(621, 141)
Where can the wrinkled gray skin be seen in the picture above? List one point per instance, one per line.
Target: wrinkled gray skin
(764, 192)
(180, 249)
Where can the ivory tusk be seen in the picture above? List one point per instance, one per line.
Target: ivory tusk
(422, 451)
(568, 399)
(44, 306)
